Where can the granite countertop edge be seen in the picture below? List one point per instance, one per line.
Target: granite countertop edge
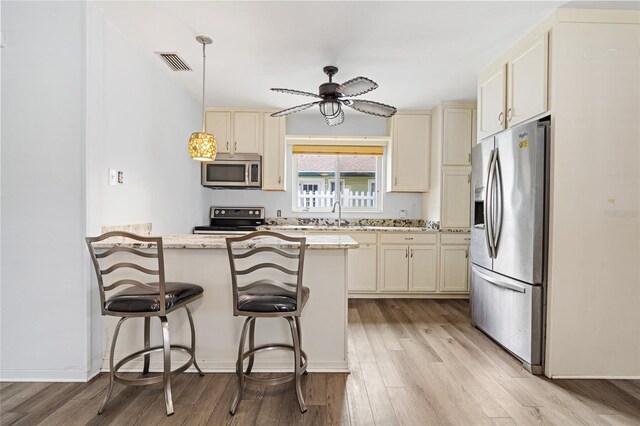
(218, 241)
(348, 229)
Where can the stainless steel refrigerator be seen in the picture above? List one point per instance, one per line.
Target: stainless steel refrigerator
(509, 239)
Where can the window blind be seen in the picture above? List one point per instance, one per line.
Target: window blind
(337, 150)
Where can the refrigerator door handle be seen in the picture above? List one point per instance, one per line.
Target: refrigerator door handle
(503, 284)
(488, 205)
(498, 203)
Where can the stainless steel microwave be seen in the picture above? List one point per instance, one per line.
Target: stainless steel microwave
(240, 171)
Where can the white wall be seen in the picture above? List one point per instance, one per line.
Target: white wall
(143, 121)
(43, 307)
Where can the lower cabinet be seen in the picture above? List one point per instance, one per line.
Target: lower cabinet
(454, 264)
(423, 268)
(407, 262)
(408, 268)
(362, 273)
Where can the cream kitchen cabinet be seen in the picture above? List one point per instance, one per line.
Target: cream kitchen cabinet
(236, 131)
(516, 91)
(408, 262)
(456, 198)
(361, 268)
(457, 131)
(454, 263)
(273, 153)
(454, 131)
(409, 156)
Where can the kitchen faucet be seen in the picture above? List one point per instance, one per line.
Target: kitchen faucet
(339, 204)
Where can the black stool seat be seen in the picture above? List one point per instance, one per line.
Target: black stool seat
(135, 299)
(269, 298)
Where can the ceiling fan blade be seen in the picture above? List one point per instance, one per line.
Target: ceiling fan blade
(294, 109)
(357, 86)
(295, 92)
(370, 107)
(334, 121)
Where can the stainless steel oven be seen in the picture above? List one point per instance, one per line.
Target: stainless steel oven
(233, 171)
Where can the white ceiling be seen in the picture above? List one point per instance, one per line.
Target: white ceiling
(419, 53)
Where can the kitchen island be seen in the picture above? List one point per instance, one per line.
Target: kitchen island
(203, 260)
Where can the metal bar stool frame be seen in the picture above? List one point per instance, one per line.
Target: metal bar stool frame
(292, 317)
(162, 313)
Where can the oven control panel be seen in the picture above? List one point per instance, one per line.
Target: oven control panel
(237, 212)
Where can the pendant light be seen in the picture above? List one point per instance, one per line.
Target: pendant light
(202, 145)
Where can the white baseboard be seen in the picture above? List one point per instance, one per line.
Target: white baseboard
(44, 376)
(230, 367)
(596, 377)
(408, 296)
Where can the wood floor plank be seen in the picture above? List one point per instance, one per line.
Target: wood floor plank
(379, 402)
(358, 400)
(362, 345)
(337, 410)
(387, 368)
(413, 362)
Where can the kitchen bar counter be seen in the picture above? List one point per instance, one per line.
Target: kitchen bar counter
(203, 260)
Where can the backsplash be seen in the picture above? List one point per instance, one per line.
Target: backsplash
(135, 228)
(307, 221)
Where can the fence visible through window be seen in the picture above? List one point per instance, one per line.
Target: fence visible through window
(348, 198)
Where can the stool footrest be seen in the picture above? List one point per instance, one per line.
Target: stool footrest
(156, 378)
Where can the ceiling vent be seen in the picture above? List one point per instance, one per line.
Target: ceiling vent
(174, 61)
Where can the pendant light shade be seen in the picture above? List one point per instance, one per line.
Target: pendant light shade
(202, 145)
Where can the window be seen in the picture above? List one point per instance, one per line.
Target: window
(315, 175)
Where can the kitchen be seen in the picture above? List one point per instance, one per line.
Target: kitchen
(116, 106)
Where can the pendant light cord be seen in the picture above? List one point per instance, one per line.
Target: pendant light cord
(204, 62)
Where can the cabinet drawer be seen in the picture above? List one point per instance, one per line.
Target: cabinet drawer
(364, 238)
(408, 238)
(455, 238)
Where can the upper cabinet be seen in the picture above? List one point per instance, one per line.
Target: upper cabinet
(236, 131)
(491, 102)
(273, 153)
(457, 136)
(527, 82)
(409, 154)
(516, 91)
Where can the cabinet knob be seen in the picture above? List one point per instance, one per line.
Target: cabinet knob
(412, 254)
(227, 145)
(408, 238)
(501, 117)
(466, 253)
(279, 179)
(235, 146)
(469, 178)
(509, 114)
(469, 156)
(395, 181)
(406, 253)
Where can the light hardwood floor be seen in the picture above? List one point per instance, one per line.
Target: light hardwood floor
(413, 362)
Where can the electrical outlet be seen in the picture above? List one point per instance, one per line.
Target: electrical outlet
(403, 214)
(279, 213)
(120, 177)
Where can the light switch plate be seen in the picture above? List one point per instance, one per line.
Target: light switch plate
(113, 177)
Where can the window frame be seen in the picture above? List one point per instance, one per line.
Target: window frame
(379, 182)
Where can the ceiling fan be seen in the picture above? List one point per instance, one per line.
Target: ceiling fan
(332, 96)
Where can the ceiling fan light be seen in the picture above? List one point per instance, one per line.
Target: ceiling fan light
(202, 146)
(330, 109)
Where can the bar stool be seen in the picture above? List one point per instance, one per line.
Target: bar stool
(145, 300)
(268, 298)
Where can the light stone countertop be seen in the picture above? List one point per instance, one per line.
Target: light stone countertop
(348, 228)
(217, 241)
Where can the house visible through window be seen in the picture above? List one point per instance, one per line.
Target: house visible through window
(316, 175)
